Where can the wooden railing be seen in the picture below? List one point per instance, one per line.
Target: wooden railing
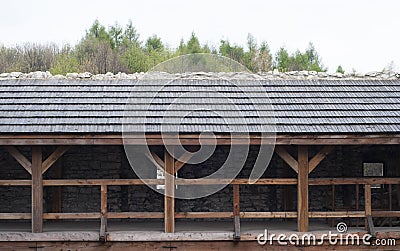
(235, 214)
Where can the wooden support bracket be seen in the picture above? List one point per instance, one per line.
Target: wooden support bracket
(159, 163)
(182, 161)
(18, 156)
(281, 151)
(319, 157)
(54, 157)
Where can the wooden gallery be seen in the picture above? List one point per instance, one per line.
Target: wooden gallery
(67, 182)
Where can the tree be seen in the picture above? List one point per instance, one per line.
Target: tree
(313, 61)
(192, 46)
(116, 34)
(282, 60)
(65, 62)
(234, 52)
(130, 34)
(98, 32)
(154, 44)
(340, 69)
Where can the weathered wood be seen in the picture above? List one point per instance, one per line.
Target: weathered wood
(236, 212)
(319, 157)
(266, 215)
(368, 205)
(54, 157)
(157, 161)
(135, 215)
(369, 224)
(302, 189)
(262, 181)
(99, 182)
(61, 216)
(37, 190)
(182, 161)
(193, 139)
(15, 216)
(169, 200)
(199, 215)
(281, 151)
(194, 242)
(353, 181)
(103, 229)
(15, 182)
(103, 211)
(392, 214)
(203, 215)
(18, 156)
(337, 214)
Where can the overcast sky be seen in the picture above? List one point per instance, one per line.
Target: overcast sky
(360, 34)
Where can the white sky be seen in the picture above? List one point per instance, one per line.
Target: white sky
(364, 35)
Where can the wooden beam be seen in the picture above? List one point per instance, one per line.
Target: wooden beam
(103, 205)
(368, 210)
(135, 215)
(169, 200)
(37, 190)
(182, 161)
(193, 139)
(54, 157)
(281, 151)
(18, 156)
(236, 212)
(368, 206)
(319, 157)
(302, 190)
(262, 181)
(62, 216)
(157, 161)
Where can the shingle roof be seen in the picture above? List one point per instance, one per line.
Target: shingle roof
(299, 106)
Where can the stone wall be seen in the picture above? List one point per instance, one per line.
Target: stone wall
(109, 162)
(300, 75)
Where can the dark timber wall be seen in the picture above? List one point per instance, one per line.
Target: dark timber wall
(109, 162)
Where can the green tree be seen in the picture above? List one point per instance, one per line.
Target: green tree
(340, 69)
(130, 34)
(282, 60)
(65, 62)
(313, 60)
(116, 34)
(234, 52)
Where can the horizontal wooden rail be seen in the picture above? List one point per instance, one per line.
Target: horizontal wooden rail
(135, 215)
(198, 215)
(264, 181)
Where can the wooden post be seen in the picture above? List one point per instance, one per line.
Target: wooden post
(169, 201)
(302, 190)
(368, 210)
(103, 205)
(37, 190)
(236, 211)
